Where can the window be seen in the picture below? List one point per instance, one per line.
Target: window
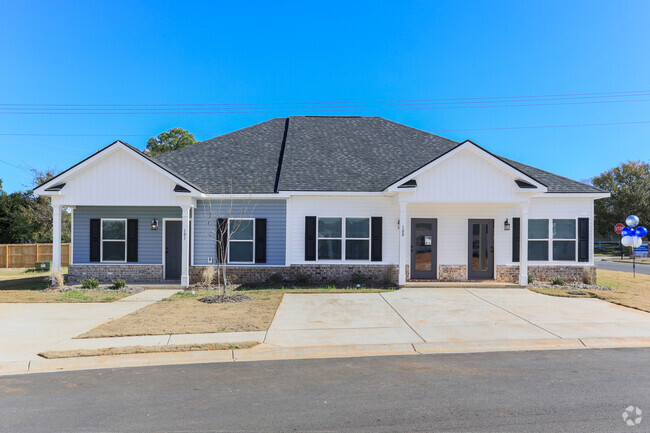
(537, 248)
(563, 241)
(241, 240)
(339, 237)
(564, 249)
(329, 238)
(357, 238)
(113, 240)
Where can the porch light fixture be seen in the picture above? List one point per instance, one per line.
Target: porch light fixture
(154, 224)
(506, 225)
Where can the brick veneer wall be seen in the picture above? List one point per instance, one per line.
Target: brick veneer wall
(314, 273)
(508, 274)
(109, 273)
(567, 273)
(452, 272)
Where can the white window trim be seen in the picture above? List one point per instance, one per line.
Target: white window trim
(344, 238)
(101, 240)
(574, 240)
(241, 241)
(551, 238)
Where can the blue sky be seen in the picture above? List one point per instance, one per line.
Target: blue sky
(212, 52)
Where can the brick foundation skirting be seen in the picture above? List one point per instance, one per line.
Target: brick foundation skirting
(567, 273)
(312, 273)
(452, 273)
(508, 274)
(109, 273)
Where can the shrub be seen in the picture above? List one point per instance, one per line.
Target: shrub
(207, 276)
(90, 283)
(119, 284)
(276, 278)
(58, 279)
(358, 279)
(531, 279)
(557, 281)
(388, 276)
(302, 278)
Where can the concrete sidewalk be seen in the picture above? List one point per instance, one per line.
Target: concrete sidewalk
(28, 329)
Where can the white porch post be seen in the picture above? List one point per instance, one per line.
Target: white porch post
(523, 246)
(185, 249)
(56, 238)
(403, 244)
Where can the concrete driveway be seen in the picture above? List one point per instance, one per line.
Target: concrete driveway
(447, 315)
(27, 329)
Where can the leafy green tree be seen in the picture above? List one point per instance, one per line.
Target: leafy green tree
(629, 185)
(174, 139)
(26, 218)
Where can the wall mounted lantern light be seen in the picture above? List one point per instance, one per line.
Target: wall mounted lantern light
(154, 224)
(506, 225)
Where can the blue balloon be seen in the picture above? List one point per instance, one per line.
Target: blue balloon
(641, 232)
(627, 231)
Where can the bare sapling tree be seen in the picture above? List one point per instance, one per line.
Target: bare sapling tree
(226, 217)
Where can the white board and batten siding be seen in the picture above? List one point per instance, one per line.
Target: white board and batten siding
(339, 206)
(469, 176)
(119, 179)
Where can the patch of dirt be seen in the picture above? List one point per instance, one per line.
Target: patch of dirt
(225, 299)
(570, 286)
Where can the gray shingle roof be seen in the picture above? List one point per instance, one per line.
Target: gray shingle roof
(322, 153)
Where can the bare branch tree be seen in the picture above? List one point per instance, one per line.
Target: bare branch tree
(232, 211)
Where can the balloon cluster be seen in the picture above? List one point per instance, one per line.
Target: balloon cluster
(633, 237)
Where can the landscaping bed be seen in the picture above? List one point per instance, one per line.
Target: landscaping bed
(183, 313)
(616, 287)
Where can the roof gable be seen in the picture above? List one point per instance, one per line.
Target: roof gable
(58, 182)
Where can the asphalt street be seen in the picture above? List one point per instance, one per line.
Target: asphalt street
(551, 391)
(641, 268)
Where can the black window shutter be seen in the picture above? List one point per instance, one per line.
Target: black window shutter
(516, 238)
(375, 238)
(95, 239)
(132, 241)
(310, 238)
(260, 240)
(583, 239)
(222, 239)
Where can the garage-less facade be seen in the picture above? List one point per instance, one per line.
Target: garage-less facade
(325, 198)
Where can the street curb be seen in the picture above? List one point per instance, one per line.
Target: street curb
(266, 352)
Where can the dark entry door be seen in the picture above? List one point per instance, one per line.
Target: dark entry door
(424, 240)
(480, 261)
(173, 257)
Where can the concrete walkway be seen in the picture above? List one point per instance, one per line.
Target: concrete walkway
(409, 321)
(27, 329)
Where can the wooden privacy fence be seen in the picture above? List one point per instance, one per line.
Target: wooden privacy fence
(26, 255)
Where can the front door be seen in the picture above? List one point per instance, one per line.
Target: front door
(173, 257)
(424, 240)
(480, 261)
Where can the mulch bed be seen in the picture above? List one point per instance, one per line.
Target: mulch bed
(100, 288)
(570, 286)
(225, 299)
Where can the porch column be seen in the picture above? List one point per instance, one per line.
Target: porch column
(185, 249)
(523, 246)
(56, 238)
(403, 245)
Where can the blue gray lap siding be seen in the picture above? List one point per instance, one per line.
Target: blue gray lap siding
(275, 212)
(149, 241)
